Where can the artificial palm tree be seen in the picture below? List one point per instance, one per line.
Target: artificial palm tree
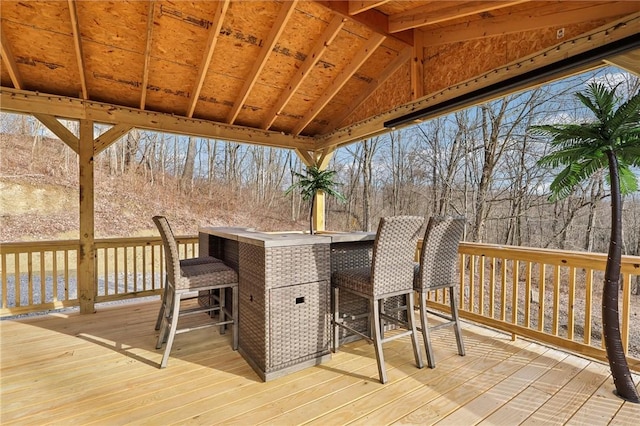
(612, 142)
(315, 180)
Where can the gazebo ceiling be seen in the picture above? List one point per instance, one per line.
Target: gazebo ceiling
(310, 75)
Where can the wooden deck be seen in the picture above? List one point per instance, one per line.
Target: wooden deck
(103, 369)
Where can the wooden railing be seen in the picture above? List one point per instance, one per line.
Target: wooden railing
(40, 276)
(551, 296)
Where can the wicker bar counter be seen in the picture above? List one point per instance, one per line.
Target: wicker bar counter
(284, 280)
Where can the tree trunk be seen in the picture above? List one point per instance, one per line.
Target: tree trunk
(610, 320)
(131, 146)
(189, 164)
(369, 147)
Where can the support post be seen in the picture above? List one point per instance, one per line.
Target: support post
(322, 159)
(319, 212)
(86, 257)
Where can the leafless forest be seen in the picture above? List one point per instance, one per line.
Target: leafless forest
(480, 162)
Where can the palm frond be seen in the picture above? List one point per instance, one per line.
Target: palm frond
(628, 180)
(627, 117)
(582, 150)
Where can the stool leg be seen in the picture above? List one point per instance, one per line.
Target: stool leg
(377, 339)
(336, 317)
(221, 312)
(166, 317)
(425, 330)
(381, 311)
(234, 314)
(414, 332)
(456, 319)
(162, 305)
(175, 313)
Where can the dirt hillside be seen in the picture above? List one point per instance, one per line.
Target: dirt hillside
(39, 198)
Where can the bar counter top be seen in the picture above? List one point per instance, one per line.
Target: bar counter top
(285, 238)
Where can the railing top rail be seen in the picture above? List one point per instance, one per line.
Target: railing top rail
(27, 246)
(589, 260)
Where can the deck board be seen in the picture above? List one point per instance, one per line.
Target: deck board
(102, 369)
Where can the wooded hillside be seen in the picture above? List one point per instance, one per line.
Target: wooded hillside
(480, 163)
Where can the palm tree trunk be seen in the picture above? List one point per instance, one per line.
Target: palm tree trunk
(610, 320)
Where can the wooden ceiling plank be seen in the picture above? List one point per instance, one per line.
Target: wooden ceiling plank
(58, 129)
(551, 16)
(443, 11)
(214, 31)
(400, 60)
(147, 55)
(359, 6)
(286, 11)
(27, 102)
(329, 34)
(10, 62)
(77, 43)
(341, 79)
(103, 141)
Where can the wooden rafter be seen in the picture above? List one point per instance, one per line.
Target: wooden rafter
(9, 61)
(329, 34)
(33, 103)
(441, 11)
(417, 67)
(147, 55)
(359, 6)
(400, 60)
(276, 30)
(363, 54)
(526, 20)
(371, 18)
(214, 31)
(60, 131)
(77, 43)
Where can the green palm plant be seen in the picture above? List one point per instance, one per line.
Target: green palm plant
(611, 142)
(313, 181)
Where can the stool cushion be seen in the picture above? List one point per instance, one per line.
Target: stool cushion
(199, 260)
(205, 274)
(358, 279)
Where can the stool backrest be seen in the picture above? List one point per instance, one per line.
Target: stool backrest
(172, 257)
(394, 252)
(439, 254)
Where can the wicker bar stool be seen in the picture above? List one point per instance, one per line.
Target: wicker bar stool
(390, 275)
(184, 282)
(183, 262)
(438, 269)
